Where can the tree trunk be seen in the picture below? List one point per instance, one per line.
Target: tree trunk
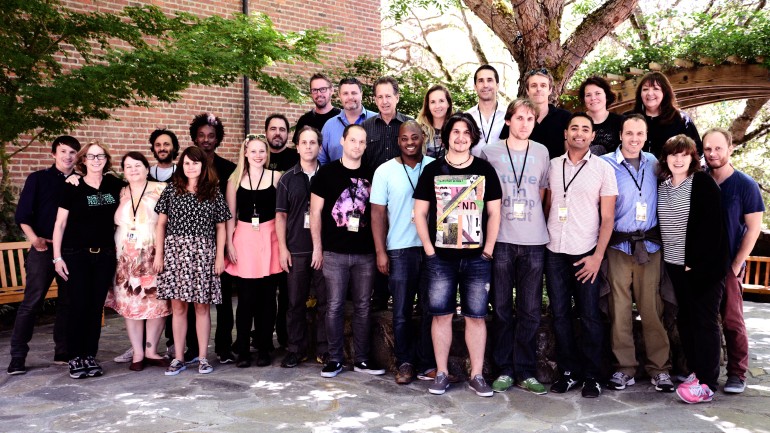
(743, 121)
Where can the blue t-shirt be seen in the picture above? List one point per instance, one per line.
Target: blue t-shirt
(740, 196)
(393, 186)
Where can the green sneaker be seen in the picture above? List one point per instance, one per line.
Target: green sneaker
(532, 385)
(502, 383)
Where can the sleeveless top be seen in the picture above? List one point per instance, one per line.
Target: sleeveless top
(259, 201)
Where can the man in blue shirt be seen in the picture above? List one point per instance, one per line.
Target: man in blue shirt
(634, 260)
(36, 214)
(353, 113)
(743, 209)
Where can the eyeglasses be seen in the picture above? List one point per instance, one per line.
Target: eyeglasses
(100, 157)
(256, 137)
(320, 90)
(531, 72)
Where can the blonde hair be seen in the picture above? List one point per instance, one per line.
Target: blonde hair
(81, 157)
(243, 161)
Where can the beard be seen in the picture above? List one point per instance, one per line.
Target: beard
(277, 144)
(165, 160)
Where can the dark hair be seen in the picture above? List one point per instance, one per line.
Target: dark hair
(134, 155)
(276, 116)
(678, 144)
(66, 140)
(518, 103)
(580, 114)
(350, 80)
(460, 117)
(81, 157)
(668, 108)
(486, 68)
(208, 183)
(209, 119)
(598, 82)
(385, 80)
(632, 116)
(174, 142)
(349, 127)
(319, 136)
(319, 76)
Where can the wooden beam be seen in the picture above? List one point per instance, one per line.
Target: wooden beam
(735, 60)
(707, 61)
(614, 77)
(656, 66)
(682, 63)
(635, 71)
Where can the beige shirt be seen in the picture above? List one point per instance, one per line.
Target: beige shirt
(587, 181)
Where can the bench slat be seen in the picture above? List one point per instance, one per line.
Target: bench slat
(12, 270)
(3, 279)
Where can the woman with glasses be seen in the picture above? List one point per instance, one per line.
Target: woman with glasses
(84, 254)
(134, 295)
(436, 109)
(252, 247)
(190, 251)
(596, 95)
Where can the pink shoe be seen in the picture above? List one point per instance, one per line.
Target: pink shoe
(696, 393)
(689, 380)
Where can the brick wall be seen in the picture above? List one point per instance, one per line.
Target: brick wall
(356, 22)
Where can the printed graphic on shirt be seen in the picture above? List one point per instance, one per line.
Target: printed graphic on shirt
(100, 199)
(352, 199)
(459, 207)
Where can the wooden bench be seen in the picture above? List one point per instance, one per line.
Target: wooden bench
(757, 278)
(13, 275)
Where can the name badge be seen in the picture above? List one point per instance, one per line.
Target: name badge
(641, 211)
(132, 236)
(307, 220)
(255, 222)
(562, 213)
(518, 210)
(354, 221)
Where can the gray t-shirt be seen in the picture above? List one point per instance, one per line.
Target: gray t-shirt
(522, 219)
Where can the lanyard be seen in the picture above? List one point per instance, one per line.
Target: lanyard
(255, 190)
(638, 184)
(138, 202)
(491, 124)
(524, 164)
(564, 176)
(307, 183)
(419, 172)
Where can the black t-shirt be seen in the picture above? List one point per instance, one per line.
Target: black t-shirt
(90, 223)
(344, 191)
(550, 133)
(457, 220)
(224, 169)
(284, 160)
(313, 119)
(607, 137)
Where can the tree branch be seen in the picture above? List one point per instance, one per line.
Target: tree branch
(475, 44)
(743, 121)
(639, 25)
(495, 17)
(758, 132)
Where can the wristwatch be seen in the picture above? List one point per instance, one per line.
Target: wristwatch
(56, 260)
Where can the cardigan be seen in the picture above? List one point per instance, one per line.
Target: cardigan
(706, 238)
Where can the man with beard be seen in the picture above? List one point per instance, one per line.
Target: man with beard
(353, 113)
(165, 148)
(321, 90)
(282, 157)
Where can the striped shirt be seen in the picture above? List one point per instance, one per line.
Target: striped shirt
(382, 139)
(673, 213)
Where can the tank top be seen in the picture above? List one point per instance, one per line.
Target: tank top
(260, 201)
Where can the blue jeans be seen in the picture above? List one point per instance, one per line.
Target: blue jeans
(519, 266)
(562, 286)
(405, 282)
(357, 270)
(472, 275)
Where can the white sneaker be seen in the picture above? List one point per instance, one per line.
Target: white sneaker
(127, 356)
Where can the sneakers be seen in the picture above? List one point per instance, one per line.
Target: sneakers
(368, 367)
(502, 383)
(695, 393)
(662, 382)
(78, 368)
(480, 387)
(93, 369)
(204, 367)
(564, 383)
(331, 369)
(439, 385)
(734, 384)
(682, 379)
(531, 385)
(127, 356)
(591, 388)
(226, 358)
(16, 366)
(292, 360)
(427, 374)
(620, 381)
(405, 374)
(175, 368)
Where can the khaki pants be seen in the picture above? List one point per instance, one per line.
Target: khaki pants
(644, 280)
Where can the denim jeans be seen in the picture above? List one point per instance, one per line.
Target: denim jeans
(562, 286)
(471, 274)
(341, 271)
(519, 266)
(40, 274)
(300, 279)
(404, 283)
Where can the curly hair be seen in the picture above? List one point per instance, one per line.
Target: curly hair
(208, 182)
(207, 119)
(174, 142)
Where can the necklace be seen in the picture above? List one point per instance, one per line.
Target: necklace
(446, 158)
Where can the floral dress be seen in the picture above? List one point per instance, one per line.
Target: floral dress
(134, 295)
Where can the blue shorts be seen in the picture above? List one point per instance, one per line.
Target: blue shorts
(473, 276)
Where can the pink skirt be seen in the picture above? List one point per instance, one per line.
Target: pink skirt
(257, 251)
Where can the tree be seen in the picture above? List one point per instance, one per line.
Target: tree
(136, 57)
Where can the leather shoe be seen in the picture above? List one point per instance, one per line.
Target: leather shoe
(157, 362)
(263, 359)
(243, 362)
(136, 366)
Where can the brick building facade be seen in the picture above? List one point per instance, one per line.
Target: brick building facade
(357, 24)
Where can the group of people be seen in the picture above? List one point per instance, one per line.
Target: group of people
(370, 205)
